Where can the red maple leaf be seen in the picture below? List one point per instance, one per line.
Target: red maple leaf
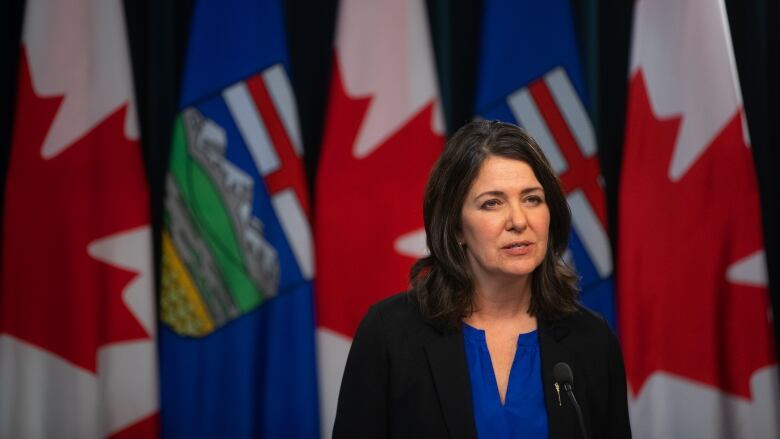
(363, 206)
(678, 312)
(54, 295)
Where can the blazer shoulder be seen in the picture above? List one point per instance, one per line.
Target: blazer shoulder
(400, 300)
(396, 309)
(587, 320)
(398, 318)
(586, 328)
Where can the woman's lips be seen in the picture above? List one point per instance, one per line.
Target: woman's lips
(517, 248)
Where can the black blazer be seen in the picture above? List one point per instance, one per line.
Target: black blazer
(406, 379)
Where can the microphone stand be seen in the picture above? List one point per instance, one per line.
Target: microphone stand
(570, 393)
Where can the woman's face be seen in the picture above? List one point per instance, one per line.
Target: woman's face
(505, 220)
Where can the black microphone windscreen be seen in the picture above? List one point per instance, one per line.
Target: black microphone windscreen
(563, 374)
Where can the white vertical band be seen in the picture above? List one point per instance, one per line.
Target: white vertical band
(527, 114)
(572, 110)
(590, 232)
(278, 86)
(296, 229)
(332, 352)
(252, 129)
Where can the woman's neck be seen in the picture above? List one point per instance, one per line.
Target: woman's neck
(502, 303)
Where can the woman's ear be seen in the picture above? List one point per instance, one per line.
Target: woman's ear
(459, 237)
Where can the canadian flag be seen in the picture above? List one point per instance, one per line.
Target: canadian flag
(77, 317)
(383, 133)
(694, 313)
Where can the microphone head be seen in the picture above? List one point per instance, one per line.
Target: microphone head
(563, 374)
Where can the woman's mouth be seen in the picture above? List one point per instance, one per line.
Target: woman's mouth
(517, 248)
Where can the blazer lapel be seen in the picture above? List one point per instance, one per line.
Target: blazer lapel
(447, 359)
(561, 418)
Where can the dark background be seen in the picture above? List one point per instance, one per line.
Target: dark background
(158, 32)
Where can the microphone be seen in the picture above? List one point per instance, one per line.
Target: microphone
(563, 375)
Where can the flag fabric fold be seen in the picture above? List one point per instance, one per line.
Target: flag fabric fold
(383, 133)
(694, 306)
(237, 333)
(78, 349)
(537, 83)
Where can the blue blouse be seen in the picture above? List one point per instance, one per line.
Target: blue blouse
(523, 414)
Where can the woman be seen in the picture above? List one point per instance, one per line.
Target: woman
(469, 351)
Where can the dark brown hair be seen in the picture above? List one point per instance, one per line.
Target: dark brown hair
(441, 283)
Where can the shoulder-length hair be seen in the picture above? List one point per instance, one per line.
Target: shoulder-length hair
(442, 283)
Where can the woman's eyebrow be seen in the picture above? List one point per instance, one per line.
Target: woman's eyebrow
(532, 189)
(494, 193)
(498, 193)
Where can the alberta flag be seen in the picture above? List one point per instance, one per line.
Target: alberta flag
(537, 83)
(237, 335)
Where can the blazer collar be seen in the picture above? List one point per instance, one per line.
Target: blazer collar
(561, 417)
(447, 359)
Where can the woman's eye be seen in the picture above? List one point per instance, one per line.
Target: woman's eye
(489, 204)
(535, 200)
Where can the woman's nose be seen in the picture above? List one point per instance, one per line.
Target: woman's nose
(517, 219)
